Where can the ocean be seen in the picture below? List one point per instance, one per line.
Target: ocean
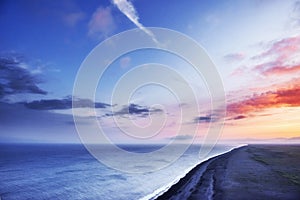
(65, 171)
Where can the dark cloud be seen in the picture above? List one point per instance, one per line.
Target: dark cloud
(134, 109)
(215, 115)
(239, 117)
(203, 119)
(15, 79)
(60, 104)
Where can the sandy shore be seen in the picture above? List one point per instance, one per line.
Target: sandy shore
(250, 172)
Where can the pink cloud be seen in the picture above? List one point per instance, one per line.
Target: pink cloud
(125, 62)
(239, 71)
(72, 19)
(282, 49)
(287, 95)
(282, 53)
(281, 70)
(101, 24)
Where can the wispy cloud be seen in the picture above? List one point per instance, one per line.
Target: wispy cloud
(181, 137)
(127, 8)
(234, 57)
(295, 14)
(101, 24)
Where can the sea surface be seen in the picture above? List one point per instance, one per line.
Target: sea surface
(64, 171)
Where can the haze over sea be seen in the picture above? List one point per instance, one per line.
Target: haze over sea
(48, 171)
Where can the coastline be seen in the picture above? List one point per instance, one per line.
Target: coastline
(266, 171)
(200, 167)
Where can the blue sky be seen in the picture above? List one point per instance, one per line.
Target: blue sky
(254, 45)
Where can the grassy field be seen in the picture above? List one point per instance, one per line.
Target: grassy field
(263, 172)
(282, 159)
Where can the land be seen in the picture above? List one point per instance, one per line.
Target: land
(249, 172)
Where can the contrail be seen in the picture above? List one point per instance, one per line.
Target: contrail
(128, 9)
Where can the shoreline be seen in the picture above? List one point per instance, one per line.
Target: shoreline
(263, 171)
(195, 173)
(199, 166)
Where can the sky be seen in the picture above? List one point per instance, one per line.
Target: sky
(254, 44)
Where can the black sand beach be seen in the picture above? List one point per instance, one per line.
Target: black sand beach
(249, 172)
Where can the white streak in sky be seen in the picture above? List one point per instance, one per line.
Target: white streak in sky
(128, 9)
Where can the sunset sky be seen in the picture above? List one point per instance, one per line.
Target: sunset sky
(254, 44)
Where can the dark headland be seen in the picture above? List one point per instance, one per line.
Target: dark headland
(249, 172)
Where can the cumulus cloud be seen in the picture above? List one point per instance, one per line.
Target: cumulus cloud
(59, 104)
(101, 24)
(127, 8)
(15, 78)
